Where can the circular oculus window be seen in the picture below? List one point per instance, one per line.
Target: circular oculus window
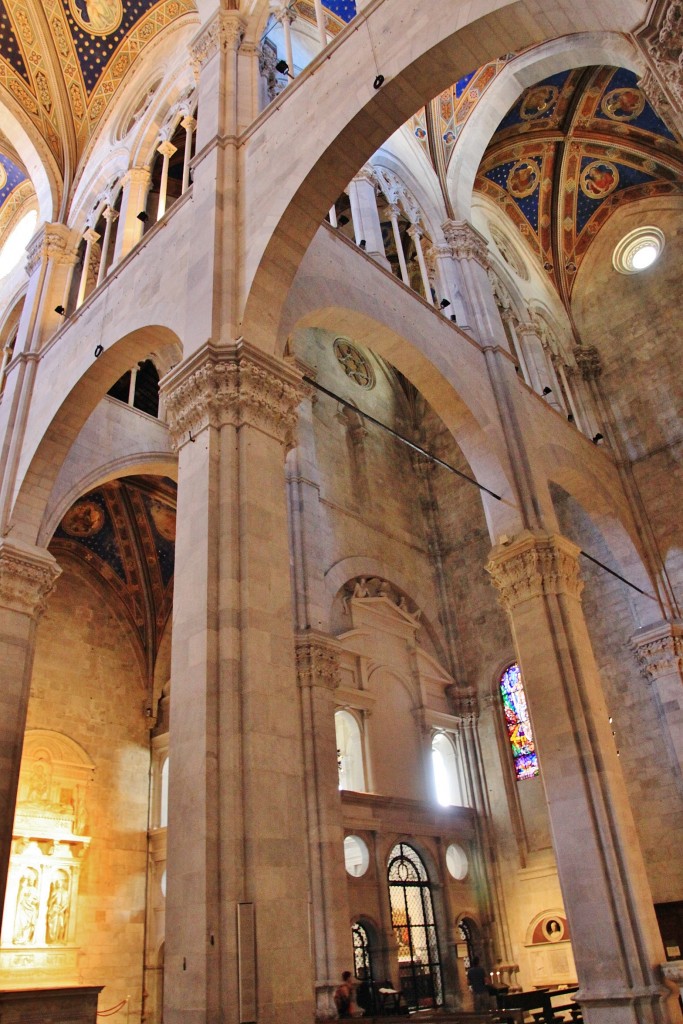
(456, 861)
(356, 856)
(638, 250)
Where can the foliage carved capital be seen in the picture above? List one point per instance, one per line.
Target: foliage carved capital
(231, 385)
(317, 660)
(535, 565)
(223, 32)
(465, 242)
(27, 578)
(588, 361)
(659, 649)
(51, 242)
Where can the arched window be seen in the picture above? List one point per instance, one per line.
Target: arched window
(139, 387)
(349, 752)
(412, 918)
(445, 767)
(517, 723)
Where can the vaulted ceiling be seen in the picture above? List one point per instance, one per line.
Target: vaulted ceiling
(124, 532)
(573, 149)
(62, 61)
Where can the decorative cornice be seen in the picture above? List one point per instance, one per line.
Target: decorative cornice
(533, 565)
(465, 242)
(588, 361)
(51, 242)
(224, 32)
(27, 578)
(317, 660)
(232, 384)
(659, 649)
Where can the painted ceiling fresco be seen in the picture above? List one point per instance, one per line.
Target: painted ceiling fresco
(337, 12)
(15, 190)
(67, 57)
(572, 149)
(125, 532)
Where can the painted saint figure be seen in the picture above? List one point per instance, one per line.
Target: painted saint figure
(26, 913)
(99, 17)
(58, 909)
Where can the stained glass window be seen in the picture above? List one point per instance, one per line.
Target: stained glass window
(518, 724)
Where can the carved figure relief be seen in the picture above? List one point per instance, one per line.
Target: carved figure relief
(58, 909)
(26, 912)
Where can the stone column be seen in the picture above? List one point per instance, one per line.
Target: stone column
(394, 211)
(237, 907)
(536, 361)
(27, 577)
(90, 236)
(615, 936)
(415, 233)
(135, 185)
(508, 317)
(285, 17)
(167, 149)
(189, 124)
(590, 367)
(659, 649)
(470, 255)
(110, 215)
(318, 671)
(320, 22)
(365, 216)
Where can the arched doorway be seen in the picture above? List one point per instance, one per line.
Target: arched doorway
(363, 968)
(412, 918)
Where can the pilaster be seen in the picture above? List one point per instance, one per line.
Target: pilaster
(616, 943)
(317, 661)
(470, 254)
(659, 650)
(365, 216)
(27, 578)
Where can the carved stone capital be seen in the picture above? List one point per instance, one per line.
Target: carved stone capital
(465, 702)
(317, 660)
(439, 252)
(533, 565)
(167, 149)
(232, 384)
(659, 649)
(528, 327)
(673, 971)
(366, 175)
(223, 32)
(465, 242)
(50, 242)
(415, 232)
(189, 124)
(27, 578)
(137, 176)
(588, 361)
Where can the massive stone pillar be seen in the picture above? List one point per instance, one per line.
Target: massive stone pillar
(615, 937)
(237, 912)
(27, 577)
(317, 658)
